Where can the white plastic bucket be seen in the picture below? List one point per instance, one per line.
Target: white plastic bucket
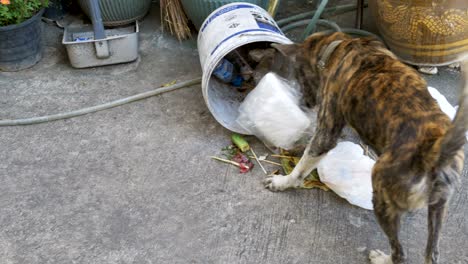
(227, 28)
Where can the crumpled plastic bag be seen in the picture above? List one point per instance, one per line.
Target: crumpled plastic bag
(444, 104)
(347, 172)
(272, 112)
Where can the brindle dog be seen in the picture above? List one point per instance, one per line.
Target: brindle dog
(360, 83)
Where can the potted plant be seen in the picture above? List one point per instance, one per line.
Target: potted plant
(20, 33)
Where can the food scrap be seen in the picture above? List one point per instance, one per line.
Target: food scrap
(240, 142)
(169, 83)
(245, 164)
(233, 155)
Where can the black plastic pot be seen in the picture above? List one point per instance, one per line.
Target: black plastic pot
(21, 44)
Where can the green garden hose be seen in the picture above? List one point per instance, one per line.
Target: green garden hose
(301, 16)
(305, 22)
(313, 22)
(360, 32)
(298, 20)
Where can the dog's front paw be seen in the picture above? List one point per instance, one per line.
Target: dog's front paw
(278, 183)
(378, 257)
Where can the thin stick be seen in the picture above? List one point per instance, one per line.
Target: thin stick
(267, 161)
(255, 156)
(282, 156)
(226, 161)
(367, 151)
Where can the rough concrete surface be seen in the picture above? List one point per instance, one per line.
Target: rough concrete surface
(135, 184)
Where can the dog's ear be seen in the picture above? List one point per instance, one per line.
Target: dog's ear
(289, 51)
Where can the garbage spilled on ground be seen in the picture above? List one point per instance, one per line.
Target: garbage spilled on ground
(247, 88)
(274, 113)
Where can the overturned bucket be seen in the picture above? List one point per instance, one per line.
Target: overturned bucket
(226, 29)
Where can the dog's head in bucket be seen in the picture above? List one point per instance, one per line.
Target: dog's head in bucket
(305, 61)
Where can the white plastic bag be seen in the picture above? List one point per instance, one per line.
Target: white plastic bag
(444, 104)
(272, 113)
(347, 172)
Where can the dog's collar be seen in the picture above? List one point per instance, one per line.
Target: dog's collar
(325, 54)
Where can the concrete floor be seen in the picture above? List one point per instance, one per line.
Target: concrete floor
(135, 184)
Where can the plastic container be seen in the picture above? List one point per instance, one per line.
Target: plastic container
(81, 46)
(226, 72)
(226, 29)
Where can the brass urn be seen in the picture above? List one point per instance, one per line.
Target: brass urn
(423, 32)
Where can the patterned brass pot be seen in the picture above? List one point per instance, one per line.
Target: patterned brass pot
(423, 32)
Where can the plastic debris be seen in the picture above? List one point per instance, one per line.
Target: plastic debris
(347, 172)
(80, 39)
(444, 105)
(272, 113)
(227, 72)
(428, 70)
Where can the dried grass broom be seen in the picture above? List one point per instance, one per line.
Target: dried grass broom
(173, 18)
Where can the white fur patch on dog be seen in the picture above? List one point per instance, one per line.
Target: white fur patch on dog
(378, 257)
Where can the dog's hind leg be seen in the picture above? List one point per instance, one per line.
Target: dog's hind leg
(440, 194)
(436, 215)
(389, 220)
(330, 123)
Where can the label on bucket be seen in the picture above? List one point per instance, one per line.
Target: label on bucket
(231, 21)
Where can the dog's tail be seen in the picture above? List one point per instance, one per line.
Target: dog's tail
(455, 137)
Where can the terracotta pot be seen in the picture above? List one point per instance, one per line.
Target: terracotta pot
(423, 32)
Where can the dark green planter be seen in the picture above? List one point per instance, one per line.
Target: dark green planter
(199, 10)
(21, 44)
(119, 12)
